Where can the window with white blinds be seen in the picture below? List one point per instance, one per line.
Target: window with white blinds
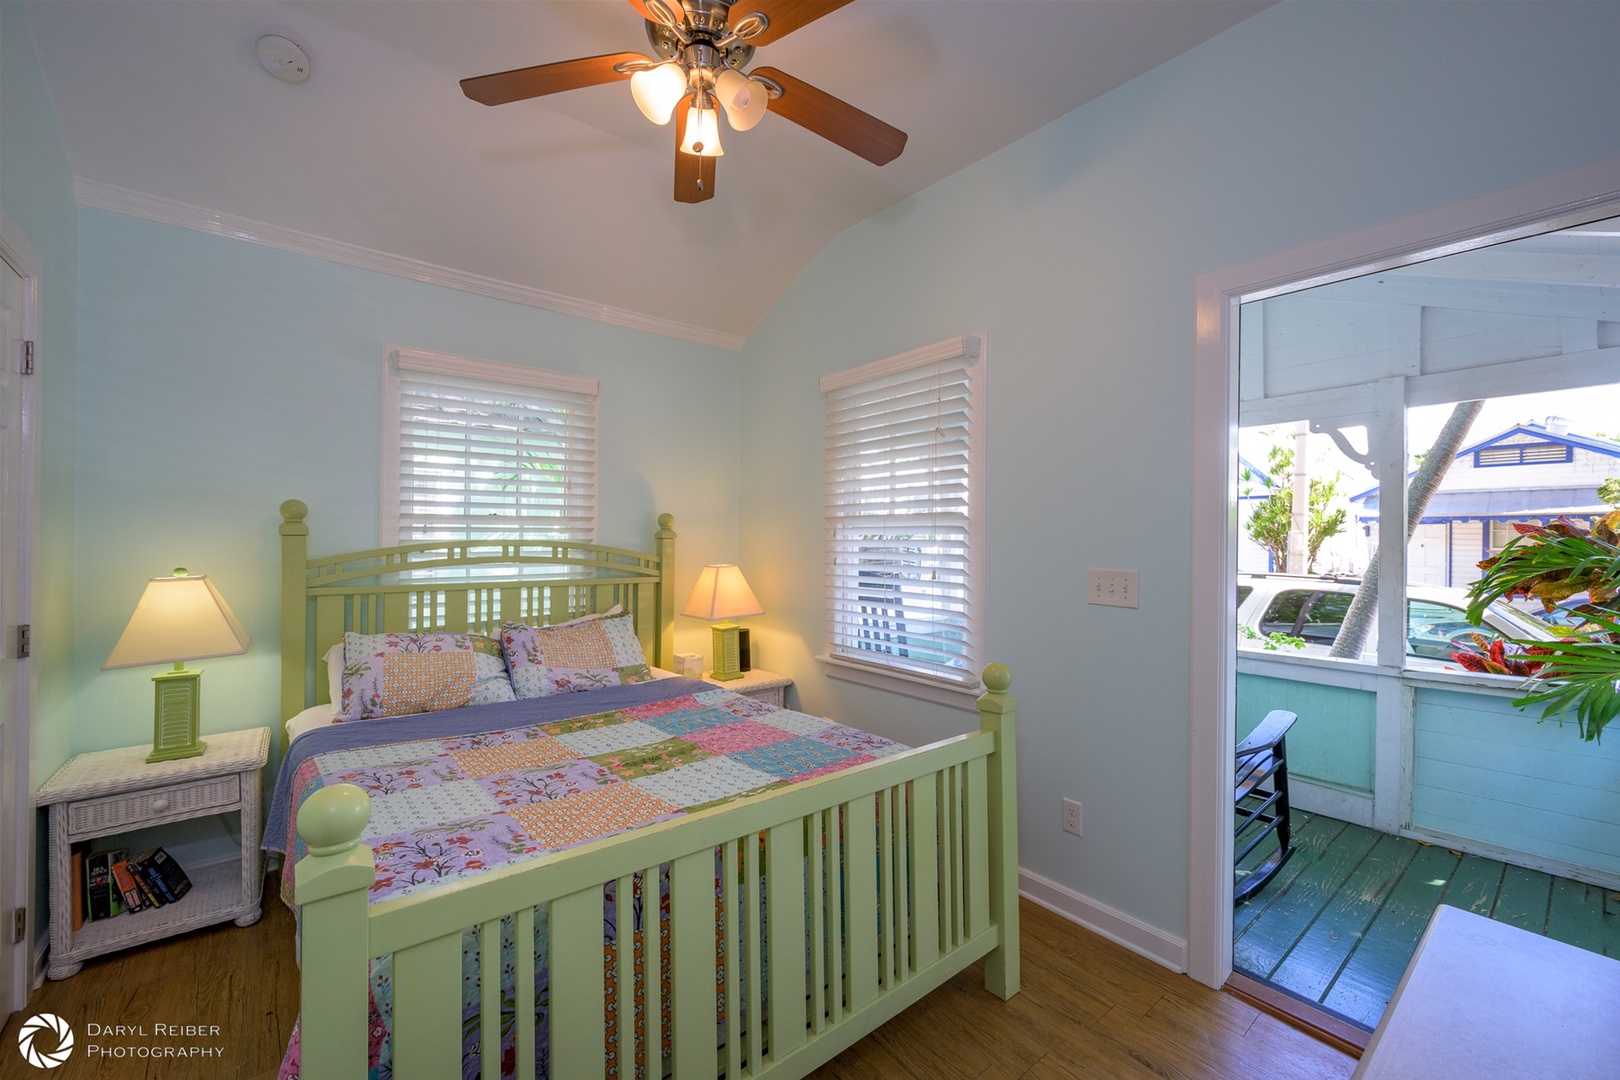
(476, 450)
(905, 509)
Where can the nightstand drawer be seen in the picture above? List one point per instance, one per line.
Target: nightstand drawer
(101, 816)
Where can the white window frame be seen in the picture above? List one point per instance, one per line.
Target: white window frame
(955, 687)
(515, 376)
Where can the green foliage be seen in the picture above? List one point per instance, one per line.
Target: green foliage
(1552, 563)
(1272, 519)
(1609, 491)
(1272, 642)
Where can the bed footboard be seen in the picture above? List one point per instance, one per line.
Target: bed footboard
(838, 903)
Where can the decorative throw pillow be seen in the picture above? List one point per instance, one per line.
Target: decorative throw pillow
(450, 671)
(571, 657)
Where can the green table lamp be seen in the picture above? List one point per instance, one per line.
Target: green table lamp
(178, 618)
(722, 593)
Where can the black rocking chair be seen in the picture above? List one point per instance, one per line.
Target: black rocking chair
(1262, 800)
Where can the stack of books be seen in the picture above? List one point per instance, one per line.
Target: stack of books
(109, 883)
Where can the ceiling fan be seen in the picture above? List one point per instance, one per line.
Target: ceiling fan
(701, 53)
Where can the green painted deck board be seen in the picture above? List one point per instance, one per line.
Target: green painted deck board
(1522, 902)
(1369, 976)
(1473, 888)
(1313, 834)
(1321, 952)
(1268, 940)
(1338, 923)
(1575, 915)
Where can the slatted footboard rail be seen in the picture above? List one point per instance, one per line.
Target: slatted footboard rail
(798, 921)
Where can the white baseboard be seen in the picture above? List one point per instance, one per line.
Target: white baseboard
(1331, 802)
(1162, 948)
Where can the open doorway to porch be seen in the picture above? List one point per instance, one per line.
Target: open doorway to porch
(1445, 403)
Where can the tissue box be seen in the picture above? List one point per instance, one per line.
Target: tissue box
(689, 664)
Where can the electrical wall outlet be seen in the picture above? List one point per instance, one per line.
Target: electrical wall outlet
(1072, 820)
(1111, 588)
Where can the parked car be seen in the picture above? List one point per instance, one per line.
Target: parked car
(1313, 608)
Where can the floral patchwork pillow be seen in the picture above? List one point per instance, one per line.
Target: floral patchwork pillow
(399, 674)
(572, 657)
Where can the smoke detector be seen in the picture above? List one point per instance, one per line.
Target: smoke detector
(283, 58)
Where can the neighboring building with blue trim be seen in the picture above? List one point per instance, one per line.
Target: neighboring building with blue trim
(1530, 472)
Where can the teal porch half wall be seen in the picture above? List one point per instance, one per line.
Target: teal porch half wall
(1485, 771)
(1332, 742)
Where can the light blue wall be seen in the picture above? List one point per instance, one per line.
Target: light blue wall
(1076, 250)
(1331, 742)
(36, 194)
(1483, 770)
(218, 378)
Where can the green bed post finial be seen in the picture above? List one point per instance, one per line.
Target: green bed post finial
(998, 713)
(331, 886)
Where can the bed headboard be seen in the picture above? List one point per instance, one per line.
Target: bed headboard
(479, 584)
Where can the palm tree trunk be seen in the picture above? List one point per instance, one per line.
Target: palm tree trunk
(1358, 621)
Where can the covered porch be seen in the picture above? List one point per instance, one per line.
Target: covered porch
(1412, 790)
(1339, 922)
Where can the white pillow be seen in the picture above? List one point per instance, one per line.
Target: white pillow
(316, 716)
(334, 672)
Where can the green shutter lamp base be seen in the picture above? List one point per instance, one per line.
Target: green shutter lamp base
(727, 652)
(175, 715)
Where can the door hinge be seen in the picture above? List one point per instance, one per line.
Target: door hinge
(23, 643)
(28, 358)
(19, 924)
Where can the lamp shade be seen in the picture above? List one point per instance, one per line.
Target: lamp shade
(178, 618)
(702, 129)
(722, 593)
(658, 90)
(744, 99)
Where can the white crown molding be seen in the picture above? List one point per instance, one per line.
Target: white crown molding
(100, 196)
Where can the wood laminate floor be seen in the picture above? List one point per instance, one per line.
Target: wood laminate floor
(1089, 1009)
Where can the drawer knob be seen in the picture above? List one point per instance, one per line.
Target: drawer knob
(160, 804)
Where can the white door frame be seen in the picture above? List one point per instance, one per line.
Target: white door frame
(26, 965)
(1561, 201)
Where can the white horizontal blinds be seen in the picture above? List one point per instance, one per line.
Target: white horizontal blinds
(482, 458)
(902, 471)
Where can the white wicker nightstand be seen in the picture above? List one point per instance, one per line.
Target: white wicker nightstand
(116, 791)
(759, 684)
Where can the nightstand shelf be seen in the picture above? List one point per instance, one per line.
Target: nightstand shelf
(759, 684)
(114, 792)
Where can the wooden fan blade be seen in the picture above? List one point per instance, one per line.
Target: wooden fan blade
(785, 16)
(694, 175)
(834, 120)
(533, 82)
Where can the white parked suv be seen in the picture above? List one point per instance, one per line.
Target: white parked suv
(1312, 608)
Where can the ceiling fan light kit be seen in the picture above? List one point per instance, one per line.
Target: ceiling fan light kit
(658, 89)
(701, 53)
(702, 129)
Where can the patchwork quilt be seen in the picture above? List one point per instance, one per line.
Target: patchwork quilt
(453, 798)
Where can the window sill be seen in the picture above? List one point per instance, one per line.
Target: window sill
(914, 686)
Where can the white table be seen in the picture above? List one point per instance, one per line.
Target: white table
(759, 684)
(110, 792)
(1482, 1000)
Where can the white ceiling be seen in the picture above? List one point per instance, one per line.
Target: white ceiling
(570, 194)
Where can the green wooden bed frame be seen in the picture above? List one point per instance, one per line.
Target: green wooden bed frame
(915, 853)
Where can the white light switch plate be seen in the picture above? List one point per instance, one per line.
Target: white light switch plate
(1112, 588)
